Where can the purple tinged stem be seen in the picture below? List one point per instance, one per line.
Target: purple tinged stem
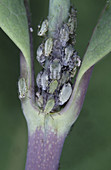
(44, 147)
(44, 150)
(83, 85)
(76, 101)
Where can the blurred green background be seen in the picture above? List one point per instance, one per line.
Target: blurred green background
(88, 146)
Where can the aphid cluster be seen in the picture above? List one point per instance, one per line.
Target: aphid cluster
(60, 62)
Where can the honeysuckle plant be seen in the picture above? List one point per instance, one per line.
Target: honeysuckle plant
(48, 127)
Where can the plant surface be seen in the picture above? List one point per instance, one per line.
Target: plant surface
(45, 129)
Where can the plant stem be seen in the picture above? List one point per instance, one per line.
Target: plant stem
(44, 150)
(58, 13)
(45, 141)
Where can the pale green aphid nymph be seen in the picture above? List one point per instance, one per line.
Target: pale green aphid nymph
(48, 47)
(44, 80)
(55, 69)
(64, 35)
(72, 21)
(53, 86)
(43, 28)
(68, 53)
(39, 100)
(49, 105)
(40, 54)
(65, 93)
(22, 87)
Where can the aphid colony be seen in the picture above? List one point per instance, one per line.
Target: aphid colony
(60, 61)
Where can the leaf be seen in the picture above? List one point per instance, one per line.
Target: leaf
(13, 21)
(100, 44)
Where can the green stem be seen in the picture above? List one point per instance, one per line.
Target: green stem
(58, 13)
